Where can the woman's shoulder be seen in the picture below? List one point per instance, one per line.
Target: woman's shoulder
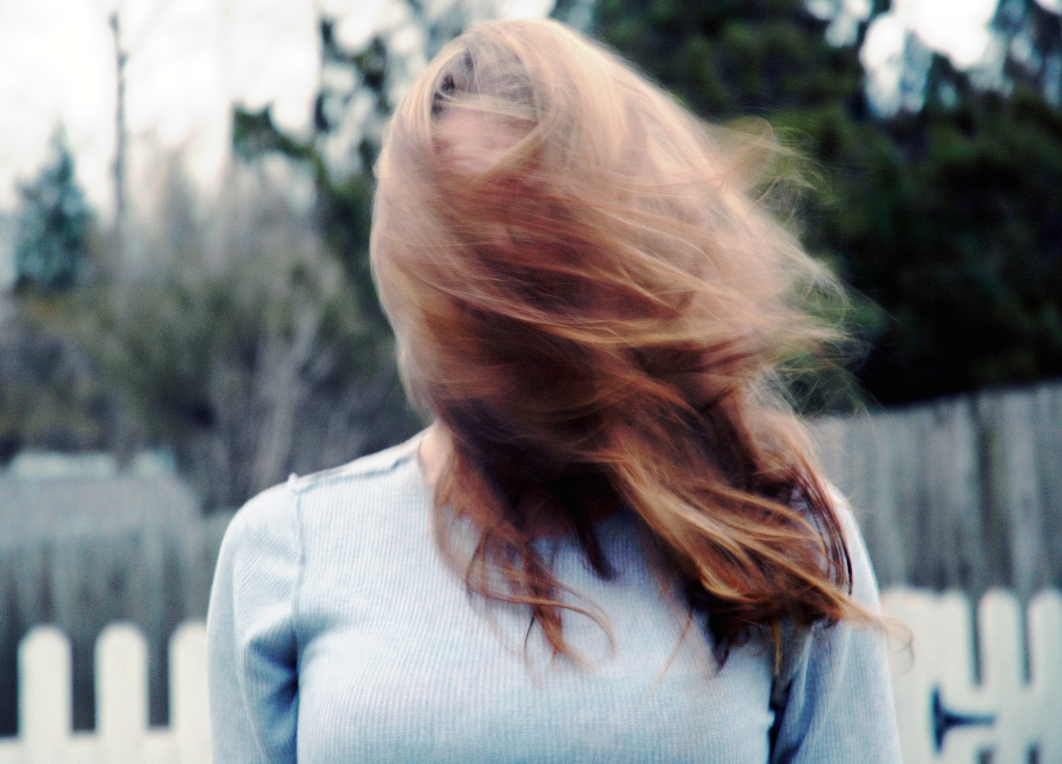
(364, 468)
(283, 507)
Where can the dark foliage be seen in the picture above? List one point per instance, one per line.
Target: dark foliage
(950, 219)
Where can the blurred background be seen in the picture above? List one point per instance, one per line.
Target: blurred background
(186, 312)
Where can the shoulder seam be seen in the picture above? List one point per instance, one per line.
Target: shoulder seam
(296, 586)
(380, 462)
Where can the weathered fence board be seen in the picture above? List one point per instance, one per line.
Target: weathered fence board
(81, 552)
(1013, 487)
(961, 493)
(1047, 414)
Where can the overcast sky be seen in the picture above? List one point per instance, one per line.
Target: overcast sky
(191, 59)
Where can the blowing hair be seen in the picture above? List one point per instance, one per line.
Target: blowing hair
(597, 310)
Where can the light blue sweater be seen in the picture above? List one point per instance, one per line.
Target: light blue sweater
(337, 635)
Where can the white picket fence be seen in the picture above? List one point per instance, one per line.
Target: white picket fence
(1014, 710)
(122, 734)
(952, 707)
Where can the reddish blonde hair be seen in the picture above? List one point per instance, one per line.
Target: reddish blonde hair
(597, 316)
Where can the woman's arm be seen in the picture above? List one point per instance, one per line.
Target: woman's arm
(251, 646)
(838, 706)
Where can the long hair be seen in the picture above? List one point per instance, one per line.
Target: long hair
(597, 315)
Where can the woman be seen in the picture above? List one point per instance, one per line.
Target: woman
(612, 543)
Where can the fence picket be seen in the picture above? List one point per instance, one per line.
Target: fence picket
(189, 717)
(45, 701)
(913, 678)
(946, 715)
(121, 694)
(960, 694)
(1002, 676)
(1045, 669)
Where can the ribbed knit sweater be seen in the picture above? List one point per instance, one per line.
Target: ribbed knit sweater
(337, 634)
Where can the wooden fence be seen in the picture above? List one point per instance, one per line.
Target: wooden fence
(959, 699)
(82, 551)
(122, 734)
(966, 696)
(961, 493)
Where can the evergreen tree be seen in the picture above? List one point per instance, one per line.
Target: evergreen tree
(53, 226)
(734, 58)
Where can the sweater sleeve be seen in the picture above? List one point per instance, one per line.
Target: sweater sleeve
(251, 646)
(839, 706)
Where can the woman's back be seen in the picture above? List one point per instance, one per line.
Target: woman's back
(338, 635)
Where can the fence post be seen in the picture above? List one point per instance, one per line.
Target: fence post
(44, 695)
(189, 713)
(121, 694)
(1014, 495)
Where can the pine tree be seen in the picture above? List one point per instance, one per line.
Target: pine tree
(53, 226)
